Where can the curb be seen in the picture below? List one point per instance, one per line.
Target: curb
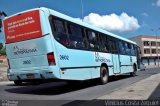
(140, 90)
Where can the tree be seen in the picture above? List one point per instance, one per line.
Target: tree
(0, 24)
(3, 51)
(1, 46)
(2, 14)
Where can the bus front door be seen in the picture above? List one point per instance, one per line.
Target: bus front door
(115, 58)
(116, 65)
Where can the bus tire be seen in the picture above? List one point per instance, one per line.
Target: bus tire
(103, 75)
(18, 82)
(133, 74)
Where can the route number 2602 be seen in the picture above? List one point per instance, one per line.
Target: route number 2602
(64, 57)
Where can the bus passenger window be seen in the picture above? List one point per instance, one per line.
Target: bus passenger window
(112, 45)
(122, 47)
(92, 38)
(106, 46)
(63, 39)
(59, 33)
(59, 26)
(75, 35)
(132, 50)
(128, 48)
(103, 43)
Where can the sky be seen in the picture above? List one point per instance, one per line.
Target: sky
(126, 18)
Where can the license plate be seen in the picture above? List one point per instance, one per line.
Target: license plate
(30, 76)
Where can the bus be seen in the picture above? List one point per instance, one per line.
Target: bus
(43, 44)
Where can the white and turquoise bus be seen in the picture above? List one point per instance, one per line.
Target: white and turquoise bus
(44, 44)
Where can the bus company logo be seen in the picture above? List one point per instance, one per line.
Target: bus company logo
(99, 58)
(17, 50)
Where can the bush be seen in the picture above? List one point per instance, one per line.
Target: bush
(3, 51)
(1, 46)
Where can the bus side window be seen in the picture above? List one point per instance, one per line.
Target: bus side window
(60, 33)
(136, 50)
(85, 40)
(97, 44)
(59, 26)
(122, 48)
(104, 45)
(75, 35)
(92, 38)
(112, 45)
(132, 50)
(128, 48)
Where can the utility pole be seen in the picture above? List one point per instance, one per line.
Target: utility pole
(82, 9)
(157, 50)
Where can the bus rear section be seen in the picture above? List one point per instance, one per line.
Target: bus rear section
(30, 49)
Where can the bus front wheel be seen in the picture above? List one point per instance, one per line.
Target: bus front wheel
(18, 83)
(103, 75)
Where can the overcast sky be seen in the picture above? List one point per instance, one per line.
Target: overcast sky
(127, 18)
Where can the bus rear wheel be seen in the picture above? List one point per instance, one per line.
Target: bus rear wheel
(133, 74)
(18, 83)
(103, 75)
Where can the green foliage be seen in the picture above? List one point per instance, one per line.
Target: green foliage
(3, 52)
(2, 13)
(1, 46)
(2, 49)
(0, 23)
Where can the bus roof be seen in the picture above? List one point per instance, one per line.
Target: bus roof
(76, 21)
